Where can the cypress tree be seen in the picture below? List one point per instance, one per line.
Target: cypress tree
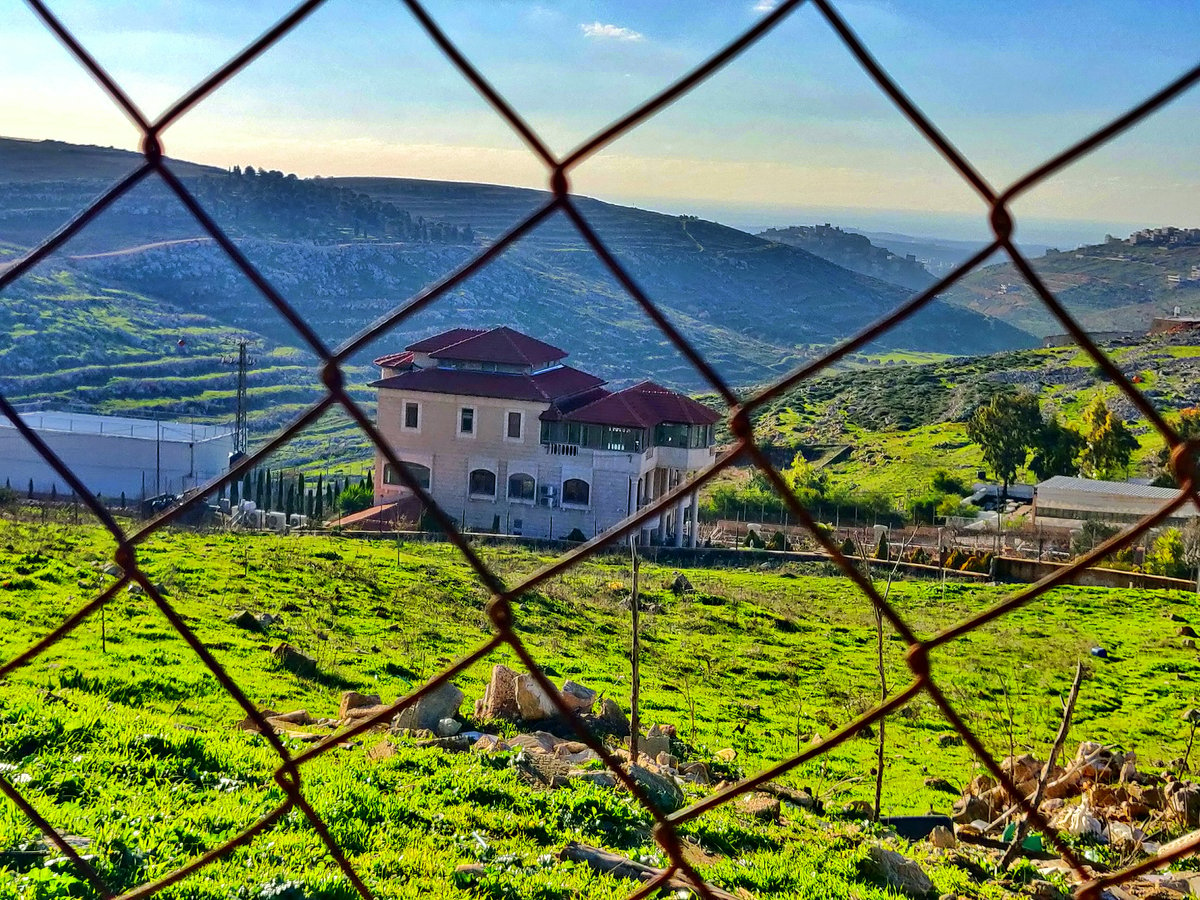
(247, 490)
(233, 493)
(289, 504)
(30, 494)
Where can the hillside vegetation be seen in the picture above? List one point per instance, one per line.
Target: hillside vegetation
(347, 251)
(126, 741)
(904, 422)
(1115, 286)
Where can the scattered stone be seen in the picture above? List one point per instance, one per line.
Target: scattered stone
(114, 570)
(1188, 644)
(942, 838)
(355, 700)
(941, 784)
(245, 620)
(537, 742)
(597, 777)
(761, 806)
(696, 772)
(295, 661)
(1176, 617)
(949, 739)
(382, 750)
(681, 585)
(440, 703)
(656, 741)
(1186, 631)
(667, 761)
(490, 743)
(533, 703)
(610, 719)
(898, 871)
(500, 698)
(448, 727)
(296, 717)
(662, 791)
(727, 755)
(1183, 803)
(969, 808)
(579, 698)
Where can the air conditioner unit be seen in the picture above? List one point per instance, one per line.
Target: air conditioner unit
(547, 490)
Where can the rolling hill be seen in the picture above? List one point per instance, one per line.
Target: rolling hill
(346, 251)
(1115, 286)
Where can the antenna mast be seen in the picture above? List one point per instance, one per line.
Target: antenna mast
(243, 363)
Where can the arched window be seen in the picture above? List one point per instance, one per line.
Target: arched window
(520, 487)
(576, 491)
(420, 474)
(481, 483)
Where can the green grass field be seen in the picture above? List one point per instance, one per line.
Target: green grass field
(132, 744)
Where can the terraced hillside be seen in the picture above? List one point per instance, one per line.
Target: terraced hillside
(349, 250)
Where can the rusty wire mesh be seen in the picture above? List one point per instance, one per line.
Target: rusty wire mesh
(500, 608)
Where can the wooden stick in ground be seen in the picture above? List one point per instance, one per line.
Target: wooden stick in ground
(1059, 739)
(883, 688)
(635, 654)
(622, 867)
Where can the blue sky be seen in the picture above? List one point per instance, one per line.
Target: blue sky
(791, 128)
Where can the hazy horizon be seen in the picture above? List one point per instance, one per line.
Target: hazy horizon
(791, 127)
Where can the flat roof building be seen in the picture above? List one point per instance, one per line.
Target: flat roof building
(1066, 502)
(114, 454)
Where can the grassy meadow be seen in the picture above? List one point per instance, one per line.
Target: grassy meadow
(118, 734)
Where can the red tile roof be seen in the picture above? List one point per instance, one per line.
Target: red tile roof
(644, 406)
(553, 384)
(499, 345)
(395, 360)
(444, 340)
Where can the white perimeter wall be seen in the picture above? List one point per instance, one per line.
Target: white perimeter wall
(110, 464)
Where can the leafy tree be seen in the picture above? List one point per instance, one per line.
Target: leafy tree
(355, 497)
(1056, 450)
(1188, 428)
(1005, 429)
(1109, 444)
(945, 483)
(1169, 555)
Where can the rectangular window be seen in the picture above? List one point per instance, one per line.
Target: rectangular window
(513, 425)
(466, 420)
(412, 415)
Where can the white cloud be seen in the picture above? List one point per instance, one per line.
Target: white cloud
(765, 6)
(602, 31)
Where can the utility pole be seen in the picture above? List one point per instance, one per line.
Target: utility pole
(243, 362)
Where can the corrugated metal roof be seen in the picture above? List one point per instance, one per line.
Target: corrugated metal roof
(1117, 488)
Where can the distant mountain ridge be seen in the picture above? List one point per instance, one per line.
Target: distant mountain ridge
(855, 252)
(754, 308)
(1119, 285)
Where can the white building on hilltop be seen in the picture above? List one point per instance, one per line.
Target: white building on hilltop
(507, 438)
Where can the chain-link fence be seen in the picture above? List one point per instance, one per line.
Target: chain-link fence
(290, 772)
